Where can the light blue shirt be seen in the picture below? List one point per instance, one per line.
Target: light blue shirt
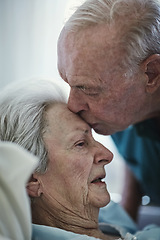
(139, 145)
(112, 220)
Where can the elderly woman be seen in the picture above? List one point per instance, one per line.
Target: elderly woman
(66, 189)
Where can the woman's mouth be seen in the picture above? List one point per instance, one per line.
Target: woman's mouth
(98, 180)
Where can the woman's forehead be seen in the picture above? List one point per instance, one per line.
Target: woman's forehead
(60, 117)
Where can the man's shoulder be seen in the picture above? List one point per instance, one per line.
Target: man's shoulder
(143, 130)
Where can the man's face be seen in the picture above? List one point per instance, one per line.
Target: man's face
(100, 89)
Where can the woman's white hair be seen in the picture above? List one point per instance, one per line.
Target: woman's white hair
(138, 22)
(22, 114)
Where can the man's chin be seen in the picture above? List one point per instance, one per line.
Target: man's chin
(106, 130)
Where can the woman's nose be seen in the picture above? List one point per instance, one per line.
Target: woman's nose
(103, 154)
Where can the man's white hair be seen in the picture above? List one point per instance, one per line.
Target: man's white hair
(138, 22)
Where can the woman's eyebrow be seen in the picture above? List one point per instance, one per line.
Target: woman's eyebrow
(86, 131)
(82, 132)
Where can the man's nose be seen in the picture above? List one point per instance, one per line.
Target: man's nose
(103, 155)
(76, 102)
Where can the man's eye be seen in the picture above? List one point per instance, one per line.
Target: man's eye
(88, 91)
(82, 88)
(91, 94)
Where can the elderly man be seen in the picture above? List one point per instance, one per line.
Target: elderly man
(108, 52)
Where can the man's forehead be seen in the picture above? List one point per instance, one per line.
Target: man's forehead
(94, 33)
(90, 43)
(77, 62)
(85, 57)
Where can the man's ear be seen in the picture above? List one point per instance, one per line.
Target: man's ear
(152, 69)
(33, 186)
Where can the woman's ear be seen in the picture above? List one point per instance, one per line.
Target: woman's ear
(33, 186)
(152, 70)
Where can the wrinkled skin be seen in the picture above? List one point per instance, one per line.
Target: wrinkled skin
(75, 160)
(101, 89)
(104, 92)
(69, 194)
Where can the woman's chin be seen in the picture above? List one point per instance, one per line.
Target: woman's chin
(105, 201)
(100, 198)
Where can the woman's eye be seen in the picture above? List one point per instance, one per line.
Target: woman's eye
(80, 144)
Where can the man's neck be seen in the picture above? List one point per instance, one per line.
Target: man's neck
(153, 107)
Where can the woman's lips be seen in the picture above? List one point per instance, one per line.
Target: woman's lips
(98, 179)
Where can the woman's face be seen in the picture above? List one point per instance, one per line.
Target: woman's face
(76, 162)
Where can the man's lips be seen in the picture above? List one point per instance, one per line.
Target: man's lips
(93, 125)
(96, 128)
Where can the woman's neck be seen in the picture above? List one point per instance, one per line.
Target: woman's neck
(84, 222)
